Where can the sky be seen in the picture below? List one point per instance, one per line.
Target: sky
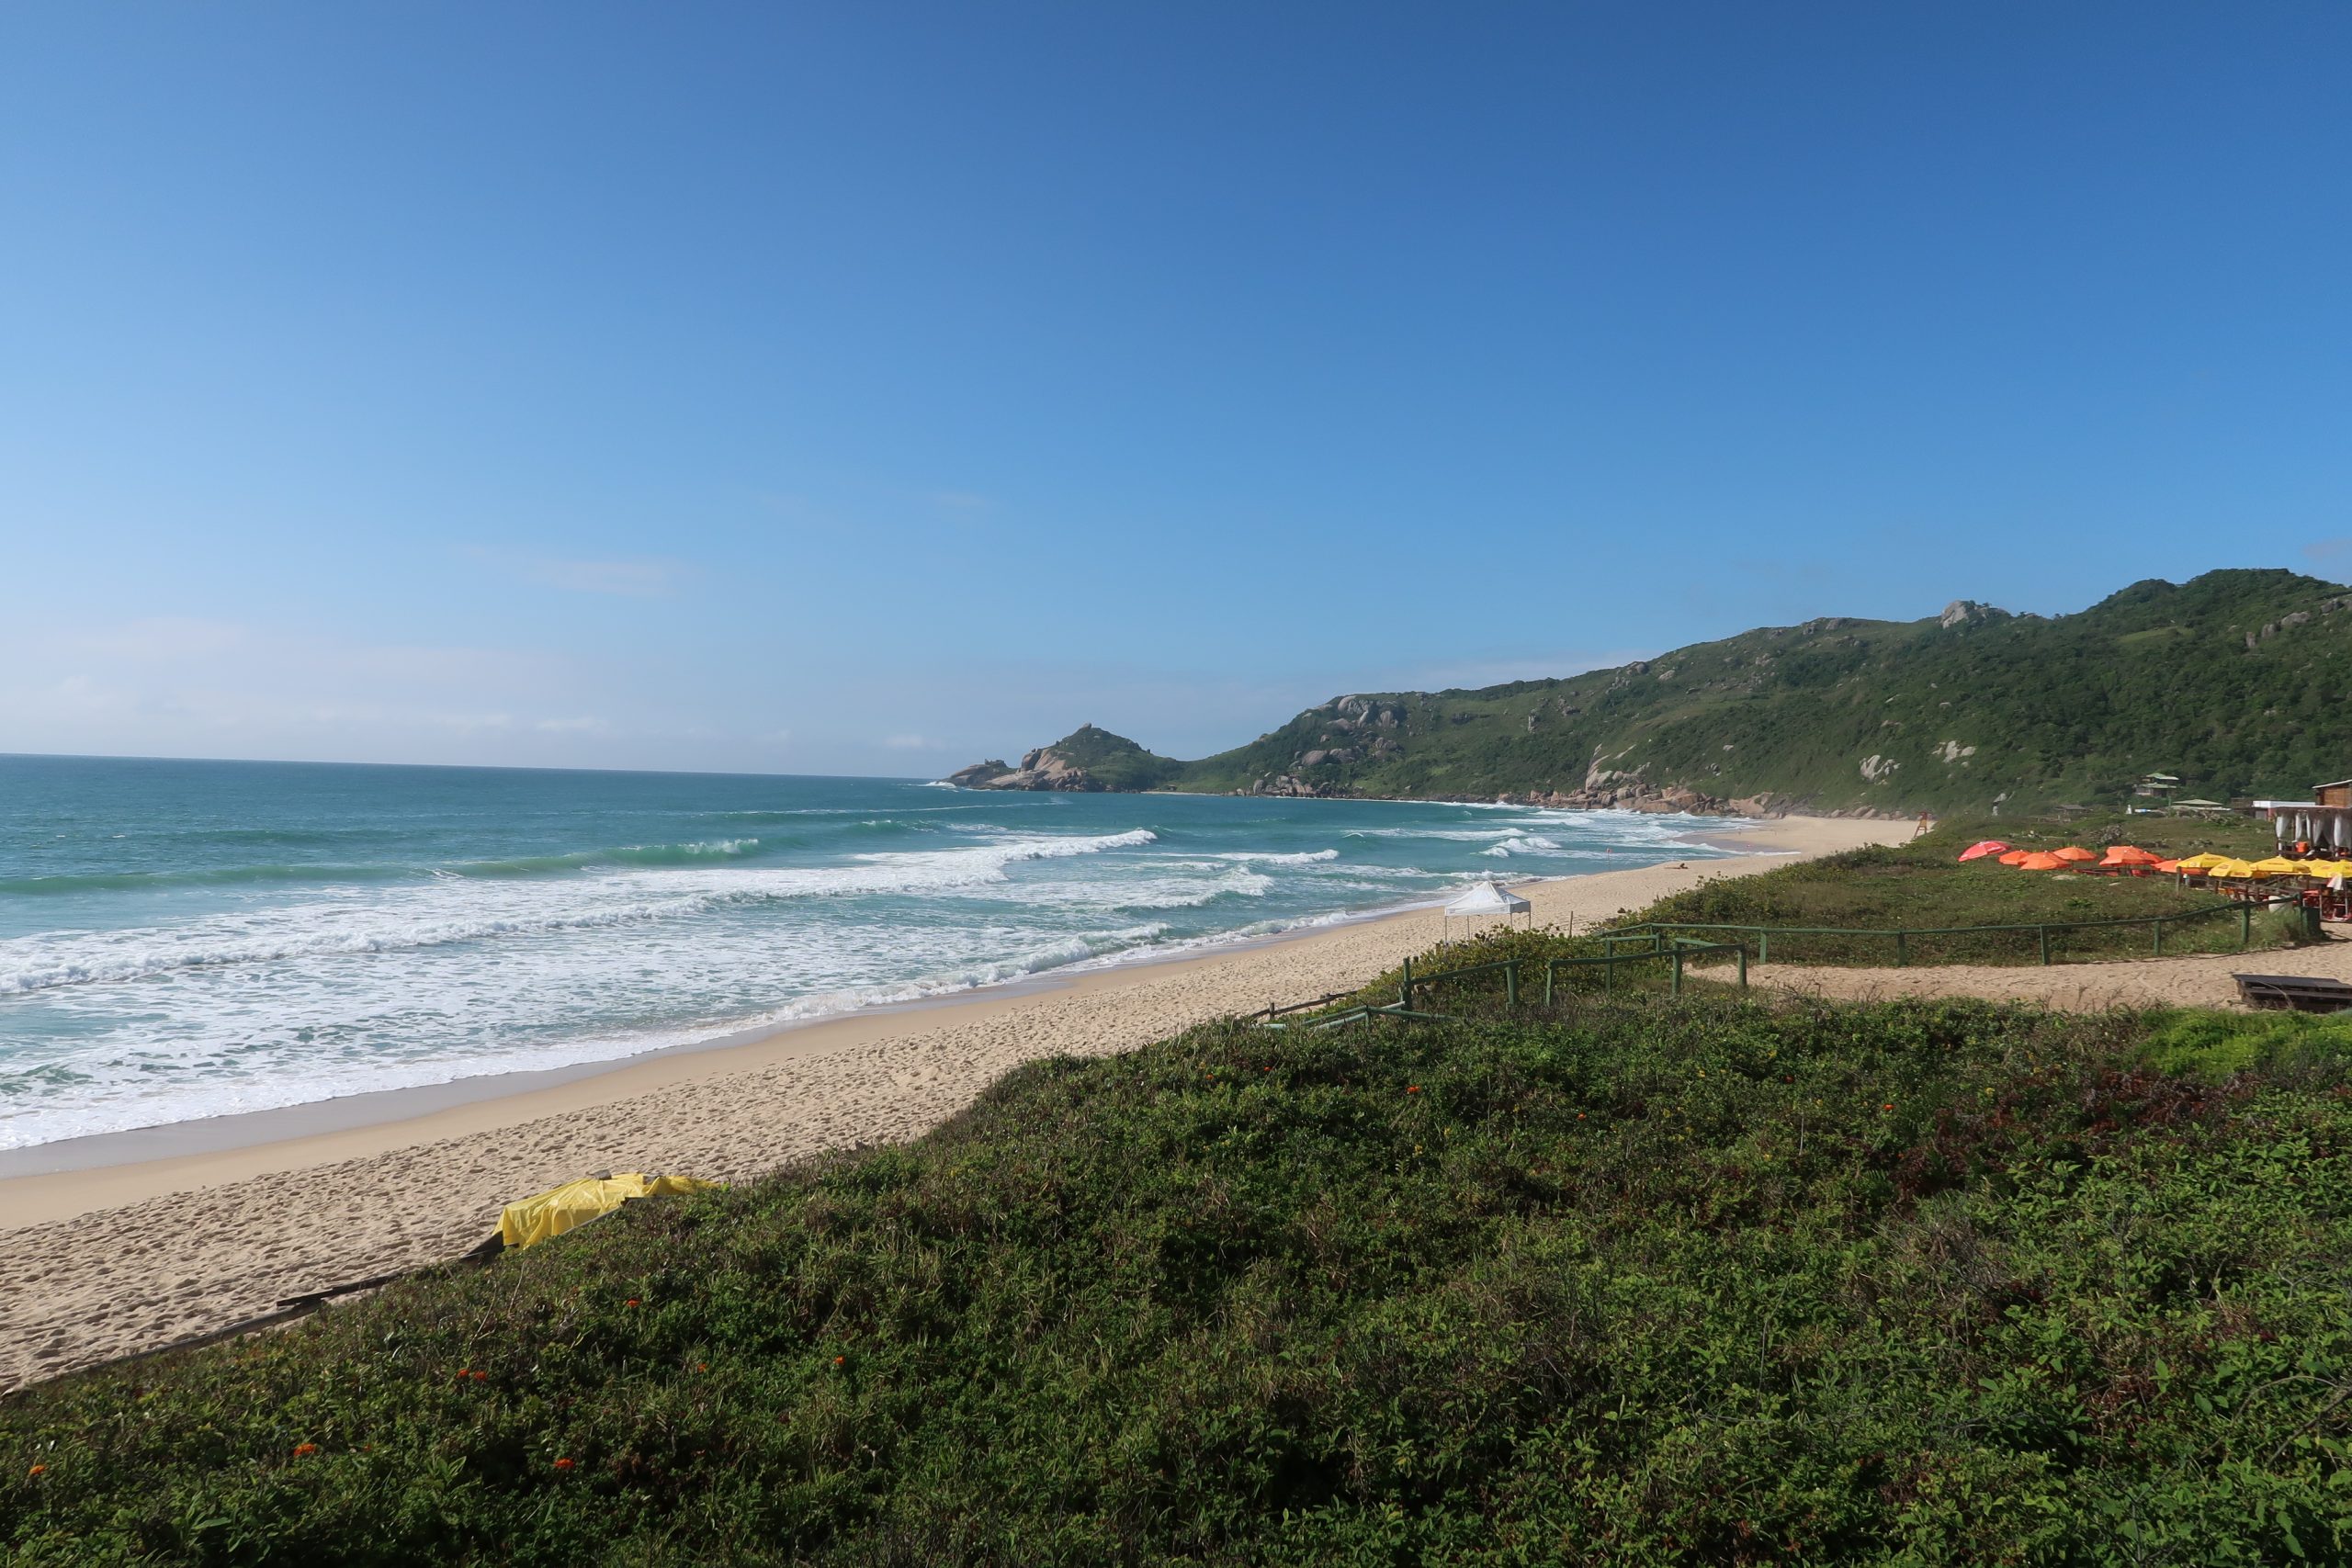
(869, 389)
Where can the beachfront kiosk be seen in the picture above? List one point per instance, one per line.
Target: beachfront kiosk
(2325, 819)
(1484, 901)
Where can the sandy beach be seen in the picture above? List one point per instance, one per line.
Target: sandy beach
(107, 1261)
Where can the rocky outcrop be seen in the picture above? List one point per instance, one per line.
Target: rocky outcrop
(1042, 769)
(979, 776)
(1959, 612)
(1291, 785)
(1638, 796)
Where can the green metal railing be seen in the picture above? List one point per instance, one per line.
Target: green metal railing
(1901, 936)
(1661, 941)
(1672, 949)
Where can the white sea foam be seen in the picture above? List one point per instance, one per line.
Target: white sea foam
(419, 917)
(1276, 857)
(130, 1094)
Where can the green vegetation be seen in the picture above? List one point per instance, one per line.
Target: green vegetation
(2237, 682)
(1115, 761)
(1714, 1282)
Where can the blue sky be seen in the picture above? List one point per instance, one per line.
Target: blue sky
(863, 388)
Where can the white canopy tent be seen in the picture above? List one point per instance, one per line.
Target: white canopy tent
(1486, 899)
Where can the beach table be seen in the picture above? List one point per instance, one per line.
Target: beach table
(2297, 992)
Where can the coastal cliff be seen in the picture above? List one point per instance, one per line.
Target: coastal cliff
(2233, 682)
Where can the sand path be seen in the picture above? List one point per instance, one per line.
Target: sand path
(98, 1264)
(2193, 980)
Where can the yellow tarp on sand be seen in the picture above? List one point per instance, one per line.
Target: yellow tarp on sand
(534, 1219)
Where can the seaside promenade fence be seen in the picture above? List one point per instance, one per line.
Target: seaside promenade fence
(1663, 942)
(1674, 952)
(1903, 943)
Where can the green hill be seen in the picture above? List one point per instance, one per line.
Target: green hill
(2238, 682)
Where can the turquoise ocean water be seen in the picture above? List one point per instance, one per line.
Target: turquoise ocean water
(190, 939)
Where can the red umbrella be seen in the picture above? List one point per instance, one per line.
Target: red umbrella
(2074, 852)
(2043, 861)
(2015, 857)
(1981, 848)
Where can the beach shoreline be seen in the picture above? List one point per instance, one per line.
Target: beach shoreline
(357, 1112)
(214, 1230)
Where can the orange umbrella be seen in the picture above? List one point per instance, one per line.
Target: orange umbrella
(1979, 849)
(2015, 857)
(2074, 852)
(2129, 855)
(2045, 862)
(2167, 866)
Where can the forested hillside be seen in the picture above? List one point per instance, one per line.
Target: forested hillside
(2238, 682)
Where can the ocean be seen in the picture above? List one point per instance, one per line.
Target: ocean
(191, 938)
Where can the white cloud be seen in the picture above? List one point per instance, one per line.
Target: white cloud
(914, 743)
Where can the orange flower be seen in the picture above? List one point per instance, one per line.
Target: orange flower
(1888, 1106)
(1412, 1089)
(563, 1464)
(631, 1302)
(38, 1470)
(839, 1360)
(481, 1377)
(1579, 1115)
(304, 1451)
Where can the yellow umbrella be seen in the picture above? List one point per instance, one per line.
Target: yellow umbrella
(2233, 868)
(2279, 865)
(2205, 862)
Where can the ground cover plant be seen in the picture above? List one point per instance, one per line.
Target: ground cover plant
(1710, 1281)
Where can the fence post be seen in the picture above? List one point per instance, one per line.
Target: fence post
(2245, 924)
(1678, 971)
(1609, 970)
(1405, 991)
(1743, 966)
(1550, 967)
(2044, 931)
(1511, 983)
(1901, 954)
(1763, 945)
(2159, 923)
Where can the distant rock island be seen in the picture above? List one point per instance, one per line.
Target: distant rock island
(2237, 682)
(1087, 758)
